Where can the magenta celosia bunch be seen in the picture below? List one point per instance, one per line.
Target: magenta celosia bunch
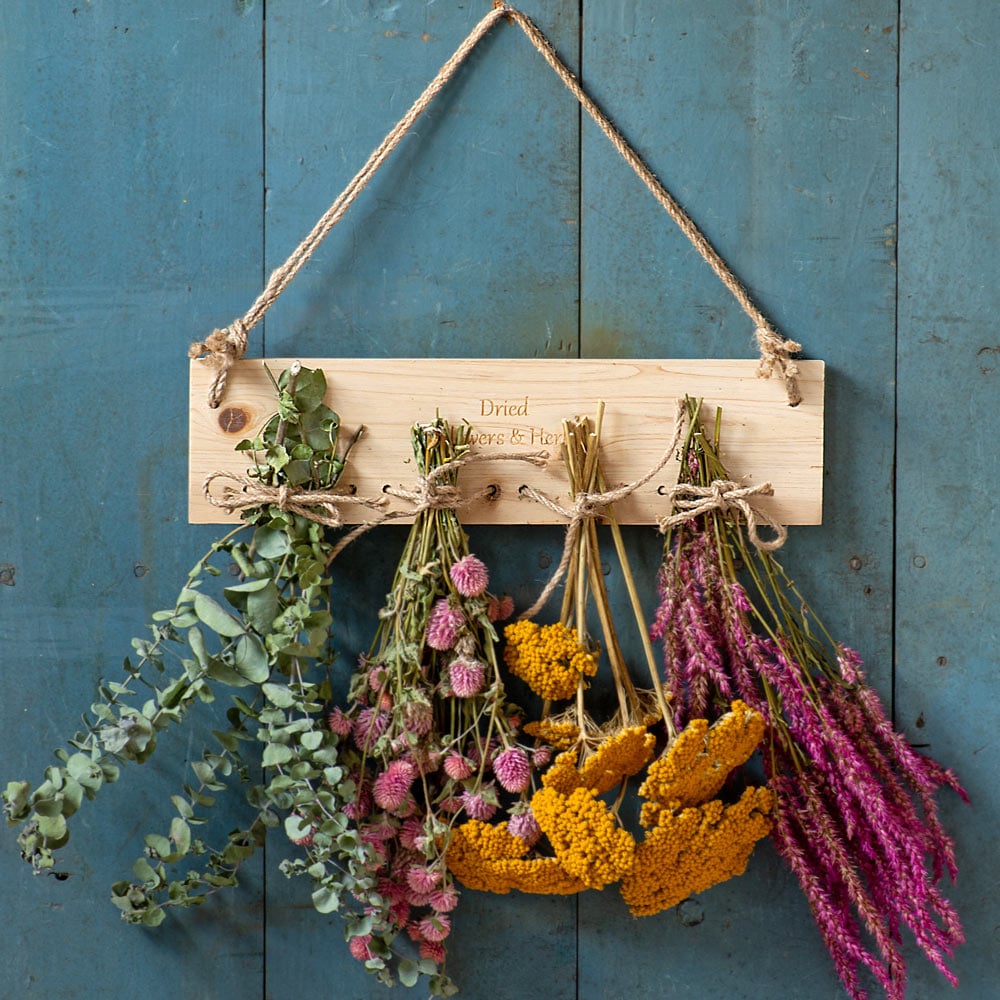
(855, 814)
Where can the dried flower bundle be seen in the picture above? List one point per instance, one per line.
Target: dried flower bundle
(264, 637)
(427, 740)
(577, 840)
(855, 815)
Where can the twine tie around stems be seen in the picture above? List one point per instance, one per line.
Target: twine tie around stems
(690, 501)
(225, 347)
(431, 494)
(587, 506)
(321, 506)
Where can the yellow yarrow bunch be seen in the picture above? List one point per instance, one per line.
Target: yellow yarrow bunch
(691, 850)
(549, 658)
(490, 859)
(559, 735)
(585, 835)
(618, 757)
(698, 762)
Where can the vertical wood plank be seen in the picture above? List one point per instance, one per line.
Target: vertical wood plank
(775, 128)
(947, 677)
(464, 244)
(130, 222)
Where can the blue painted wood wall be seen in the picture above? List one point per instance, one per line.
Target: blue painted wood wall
(157, 160)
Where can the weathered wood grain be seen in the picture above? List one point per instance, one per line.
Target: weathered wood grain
(130, 218)
(947, 678)
(774, 126)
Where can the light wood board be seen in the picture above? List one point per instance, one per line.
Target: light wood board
(518, 405)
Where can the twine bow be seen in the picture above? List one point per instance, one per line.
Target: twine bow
(321, 506)
(722, 494)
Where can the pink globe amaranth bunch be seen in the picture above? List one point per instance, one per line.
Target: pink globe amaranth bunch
(470, 576)
(513, 769)
(444, 900)
(361, 805)
(418, 717)
(411, 834)
(466, 677)
(443, 625)
(392, 786)
(368, 727)
(433, 950)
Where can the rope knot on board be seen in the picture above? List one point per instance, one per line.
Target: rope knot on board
(224, 348)
(724, 495)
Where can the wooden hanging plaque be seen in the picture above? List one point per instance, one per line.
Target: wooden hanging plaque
(518, 405)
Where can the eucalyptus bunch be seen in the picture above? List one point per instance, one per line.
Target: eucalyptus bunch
(855, 815)
(427, 739)
(263, 636)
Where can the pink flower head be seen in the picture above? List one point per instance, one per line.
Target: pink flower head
(513, 769)
(470, 576)
(525, 826)
(360, 948)
(850, 665)
(361, 805)
(445, 899)
(435, 928)
(477, 806)
(458, 767)
(400, 912)
(339, 723)
(418, 717)
(433, 950)
(378, 677)
(443, 625)
(450, 805)
(466, 677)
(499, 609)
(369, 726)
(391, 890)
(541, 757)
(393, 785)
(411, 831)
(378, 833)
(422, 880)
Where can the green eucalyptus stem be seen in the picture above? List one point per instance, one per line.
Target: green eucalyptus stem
(263, 633)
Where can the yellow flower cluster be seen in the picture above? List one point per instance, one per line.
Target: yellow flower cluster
(619, 756)
(548, 658)
(585, 835)
(490, 859)
(563, 776)
(689, 851)
(693, 840)
(699, 761)
(561, 735)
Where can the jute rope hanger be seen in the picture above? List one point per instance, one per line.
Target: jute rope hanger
(226, 346)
